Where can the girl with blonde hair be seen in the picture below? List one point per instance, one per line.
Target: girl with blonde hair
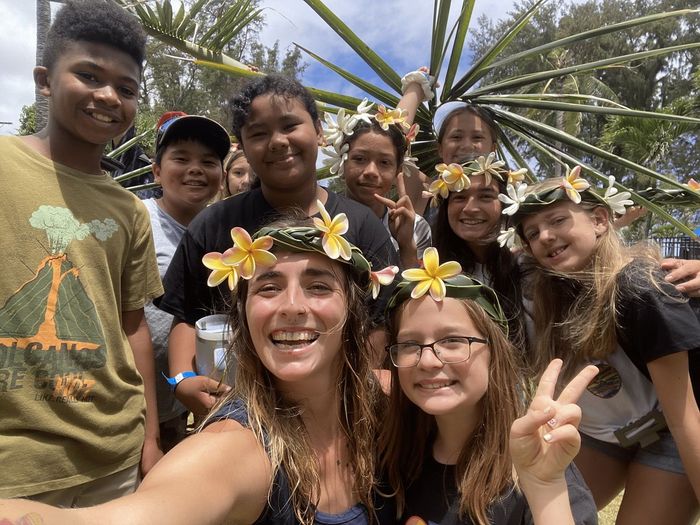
(596, 301)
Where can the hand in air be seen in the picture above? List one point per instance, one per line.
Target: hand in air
(401, 219)
(545, 440)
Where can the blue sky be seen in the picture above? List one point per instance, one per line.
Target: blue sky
(398, 30)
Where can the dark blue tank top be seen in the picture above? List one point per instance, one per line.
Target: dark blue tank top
(279, 510)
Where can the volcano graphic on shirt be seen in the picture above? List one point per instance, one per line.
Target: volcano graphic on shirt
(50, 324)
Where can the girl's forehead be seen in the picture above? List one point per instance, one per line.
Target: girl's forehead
(277, 104)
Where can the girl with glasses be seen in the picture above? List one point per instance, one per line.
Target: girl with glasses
(456, 428)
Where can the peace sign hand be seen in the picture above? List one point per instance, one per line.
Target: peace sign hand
(401, 223)
(545, 440)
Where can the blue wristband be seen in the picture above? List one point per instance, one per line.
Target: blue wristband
(174, 381)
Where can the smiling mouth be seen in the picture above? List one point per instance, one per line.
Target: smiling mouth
(472, 222)
(556, 252)
(101, 117)
(289, 340)
(196, 183)
(436, 386)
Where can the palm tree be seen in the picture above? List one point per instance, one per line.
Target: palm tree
(43, 21)
(504, 97)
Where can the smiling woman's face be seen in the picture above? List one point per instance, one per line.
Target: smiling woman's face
(296, 311)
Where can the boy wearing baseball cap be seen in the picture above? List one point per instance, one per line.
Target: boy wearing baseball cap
(190, 150)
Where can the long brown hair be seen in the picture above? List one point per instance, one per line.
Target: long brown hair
(277, 421)
(484, 468)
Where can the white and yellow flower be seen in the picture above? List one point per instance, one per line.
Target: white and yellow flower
(222, 269)
(454, 176)
(363, 114)
(489, 167)
(517, 176)
(618, 202)
(693, 185)
(515, 197)
(506, 238)
(386, 117)
(573, 184)
(247, 253)
(431, 276)
(336, 158)
(382, 278)
(333, 229)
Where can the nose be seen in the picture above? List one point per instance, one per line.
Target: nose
(294, 305)
(428, 359)
(371, 170)
(546, 235)
(278, 140)
(108, 95)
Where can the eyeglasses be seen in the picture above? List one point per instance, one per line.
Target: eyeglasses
(449, 350)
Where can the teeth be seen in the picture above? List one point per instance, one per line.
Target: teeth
(472, 222)
(101, 118)
(295, 336)
(435, 386)
(557, 252)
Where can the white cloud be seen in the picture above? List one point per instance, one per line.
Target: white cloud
(398, 30)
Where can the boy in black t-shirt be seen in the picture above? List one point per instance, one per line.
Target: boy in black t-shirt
(277, 124)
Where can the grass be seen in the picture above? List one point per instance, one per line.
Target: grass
(607, 515)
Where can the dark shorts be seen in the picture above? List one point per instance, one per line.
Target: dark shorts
(662, 454)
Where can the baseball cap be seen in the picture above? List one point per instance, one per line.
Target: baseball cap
(177, 123)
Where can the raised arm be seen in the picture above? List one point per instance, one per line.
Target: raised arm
(545, 441)
(219, 476)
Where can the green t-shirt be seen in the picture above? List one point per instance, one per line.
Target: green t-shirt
(77, 251)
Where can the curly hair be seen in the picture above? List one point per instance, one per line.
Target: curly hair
(102, 22)
(275, 84)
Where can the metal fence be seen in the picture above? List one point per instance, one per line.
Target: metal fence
(680, 247)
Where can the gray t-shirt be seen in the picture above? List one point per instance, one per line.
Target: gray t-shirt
(167, 233)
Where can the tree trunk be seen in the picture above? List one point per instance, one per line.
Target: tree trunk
(43, 21)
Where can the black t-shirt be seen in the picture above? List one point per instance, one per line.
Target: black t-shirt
(187, 295)
(655, 320)
(434, 498)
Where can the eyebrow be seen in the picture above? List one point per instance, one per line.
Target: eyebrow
(310, 272)
(94, 65)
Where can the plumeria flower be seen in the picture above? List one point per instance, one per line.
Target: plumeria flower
(246, 252)
(333, 229)
(336, 158)
(515, 197)
(506, 238)
(386, 117)
(339, 129)
(693, 185)
(431, 276)
(221, 269)
(412, 132)
(454, 176)
(489, 167)
(382, 278)
(439, 188)
(362, 114)
(617, 201)
(409, 166)
(516, 176)
(573, 184)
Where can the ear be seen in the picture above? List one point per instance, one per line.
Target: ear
(320, 139)
(41, 80)
(601, 220)
(155, 168)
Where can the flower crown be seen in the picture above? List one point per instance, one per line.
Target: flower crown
(445, 280)
(337, 132)
(456, 177)
(519, 201)
(325, 237)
